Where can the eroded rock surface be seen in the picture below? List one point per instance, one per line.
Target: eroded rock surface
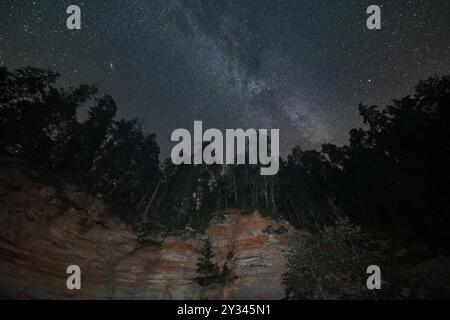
(44, 229)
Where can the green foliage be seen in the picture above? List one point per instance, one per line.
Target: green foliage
(428, 280)
(36, 116)
(332, 264)
(208, 272)
(39, 122)
(394, 170)
(185, 197)
(147, 232)
(305, 189)
(397, 169)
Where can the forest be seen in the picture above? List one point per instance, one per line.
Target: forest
(391, 178)
(394, 170)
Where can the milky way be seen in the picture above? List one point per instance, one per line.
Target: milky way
(300, 66)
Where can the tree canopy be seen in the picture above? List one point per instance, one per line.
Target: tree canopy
(394, 169)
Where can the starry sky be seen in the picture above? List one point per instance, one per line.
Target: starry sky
(301, 66)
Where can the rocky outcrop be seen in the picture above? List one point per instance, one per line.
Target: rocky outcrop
(44, 229)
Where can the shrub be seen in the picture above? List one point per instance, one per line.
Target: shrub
(332, 264)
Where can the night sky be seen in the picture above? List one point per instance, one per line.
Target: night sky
(300, 66)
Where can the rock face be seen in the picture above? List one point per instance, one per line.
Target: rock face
(44, 229)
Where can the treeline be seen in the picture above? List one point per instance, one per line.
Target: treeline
(189, 196)
(395, 169)
(40, 122)
(114, 158)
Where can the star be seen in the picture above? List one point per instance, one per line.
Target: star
(299, 67)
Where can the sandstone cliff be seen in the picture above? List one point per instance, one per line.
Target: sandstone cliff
(44, 229)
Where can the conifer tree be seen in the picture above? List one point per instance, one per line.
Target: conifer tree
(208, 272)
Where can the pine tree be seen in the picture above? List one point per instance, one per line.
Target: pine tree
(208, 272)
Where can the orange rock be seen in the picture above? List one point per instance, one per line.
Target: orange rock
(42, 234)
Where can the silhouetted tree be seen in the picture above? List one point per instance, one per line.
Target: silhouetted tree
(39, 122)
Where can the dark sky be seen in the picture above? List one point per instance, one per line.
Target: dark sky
(300, 66)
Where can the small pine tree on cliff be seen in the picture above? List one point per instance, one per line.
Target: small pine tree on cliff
(208, 272)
